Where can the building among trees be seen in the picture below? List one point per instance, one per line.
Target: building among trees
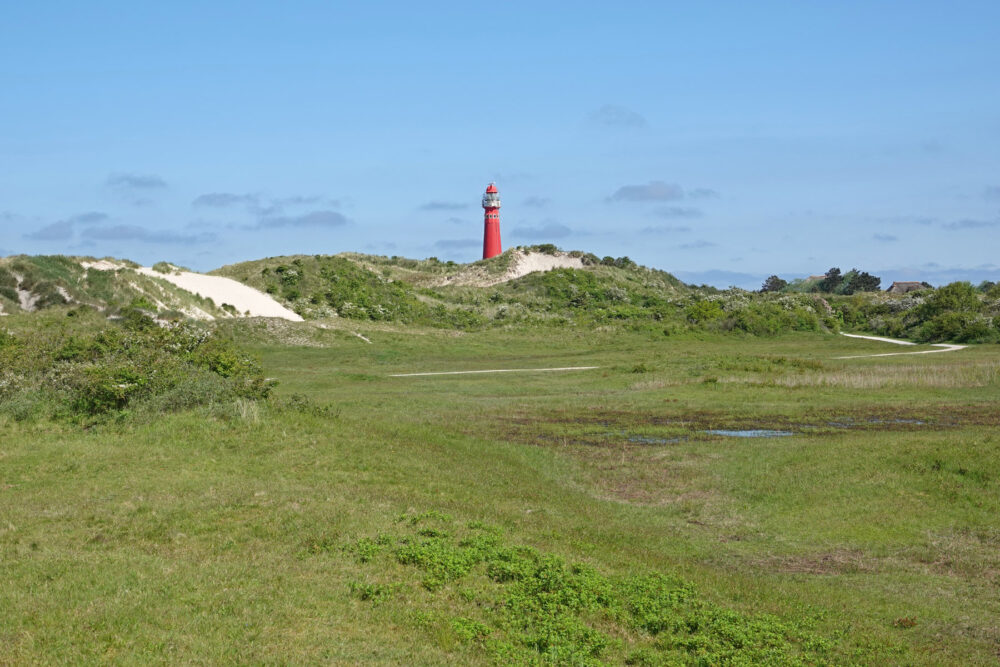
(902, 287)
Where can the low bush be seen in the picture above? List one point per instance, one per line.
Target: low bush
(957, 313)
(83, 370)
(530, 607)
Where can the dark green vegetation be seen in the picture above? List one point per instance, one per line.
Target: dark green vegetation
(592, 516)
(78, 365)
(606, 292)
(470, 297)
(449, 295)
(852, 282)
(531, 606)
(832, 282)
(956, 313)
(614, 292)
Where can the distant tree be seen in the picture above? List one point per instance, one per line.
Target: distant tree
(608, 260)
(624, 262)
(861, 282)
(831, 281)
(986, 286)
(773, 284)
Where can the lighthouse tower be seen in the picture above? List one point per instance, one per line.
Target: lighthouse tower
(491, 225)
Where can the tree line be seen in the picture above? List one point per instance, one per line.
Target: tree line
(833, 282)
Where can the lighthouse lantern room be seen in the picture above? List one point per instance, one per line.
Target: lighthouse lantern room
(491, 224)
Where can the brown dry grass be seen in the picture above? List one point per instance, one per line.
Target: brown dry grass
(951, 376)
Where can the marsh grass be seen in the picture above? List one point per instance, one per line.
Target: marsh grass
(212, 536)
(248, 410)
(957, 374)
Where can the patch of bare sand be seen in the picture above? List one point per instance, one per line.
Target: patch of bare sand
(103, 265)
(221, 290)
(522, 263)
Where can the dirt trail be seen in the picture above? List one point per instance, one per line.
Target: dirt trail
(946, 347)
(498, 370)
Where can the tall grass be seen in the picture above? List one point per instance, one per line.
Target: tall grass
(950, 376)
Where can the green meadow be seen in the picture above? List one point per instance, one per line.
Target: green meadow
(599, 516)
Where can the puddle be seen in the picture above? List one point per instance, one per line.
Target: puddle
(646, 440)
(751, 433)
(846, 423)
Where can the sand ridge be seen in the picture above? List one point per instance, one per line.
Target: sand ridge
(521, 264)
(246, 300)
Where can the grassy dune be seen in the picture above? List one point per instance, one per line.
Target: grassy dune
(567, 517)
(51, 281)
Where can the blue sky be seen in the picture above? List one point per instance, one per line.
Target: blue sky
(722, 141)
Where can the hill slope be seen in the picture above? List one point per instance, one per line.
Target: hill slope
(43, 281)
(40, 282)
(536, 286)
(522, 287)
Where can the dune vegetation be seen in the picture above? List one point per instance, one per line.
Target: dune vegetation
(723, 488)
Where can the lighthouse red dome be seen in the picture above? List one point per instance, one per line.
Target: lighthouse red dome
(492, 187)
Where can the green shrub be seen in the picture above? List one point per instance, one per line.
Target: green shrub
(539, 609)
(958, 327)
(8, 285)
(703, 311)
(956, 297)
(193, 388)
(77, 369)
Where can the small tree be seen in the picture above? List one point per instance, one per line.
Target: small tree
(773, 284)
(831, 281)
(862, 282)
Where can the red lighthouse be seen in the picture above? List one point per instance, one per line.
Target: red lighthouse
(491, 225)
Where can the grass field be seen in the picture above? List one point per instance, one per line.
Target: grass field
(586, 516)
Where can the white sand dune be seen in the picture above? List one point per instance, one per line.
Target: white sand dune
(522, 263)
(226, 290)
(104, 265)
(529, 262)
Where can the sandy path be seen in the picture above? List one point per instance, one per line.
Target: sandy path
(946, 347)
(498, 370)
(226, 290)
